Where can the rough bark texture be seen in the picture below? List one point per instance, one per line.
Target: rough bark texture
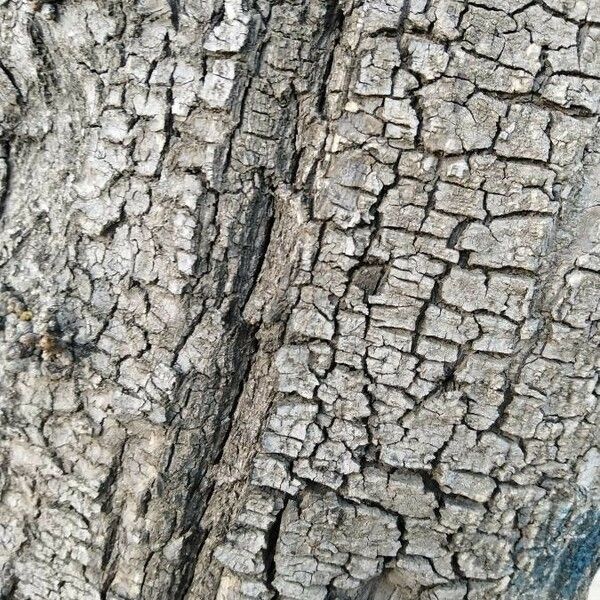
(300, 299)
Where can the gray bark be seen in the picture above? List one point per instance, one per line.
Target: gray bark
(300, 299)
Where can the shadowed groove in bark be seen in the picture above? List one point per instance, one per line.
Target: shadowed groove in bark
(47, 70)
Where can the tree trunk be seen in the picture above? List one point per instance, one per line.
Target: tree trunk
(300, 299)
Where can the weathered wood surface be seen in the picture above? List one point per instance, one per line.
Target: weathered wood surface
(300, 299)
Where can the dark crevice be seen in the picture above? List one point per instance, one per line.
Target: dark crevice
(47, 71)
(13, 81)
(5, 156)
(174, 6)
(269, 553)
(333, 26)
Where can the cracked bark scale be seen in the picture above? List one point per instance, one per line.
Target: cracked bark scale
(299, 299)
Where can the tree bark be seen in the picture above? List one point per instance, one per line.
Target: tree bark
(300, 299)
